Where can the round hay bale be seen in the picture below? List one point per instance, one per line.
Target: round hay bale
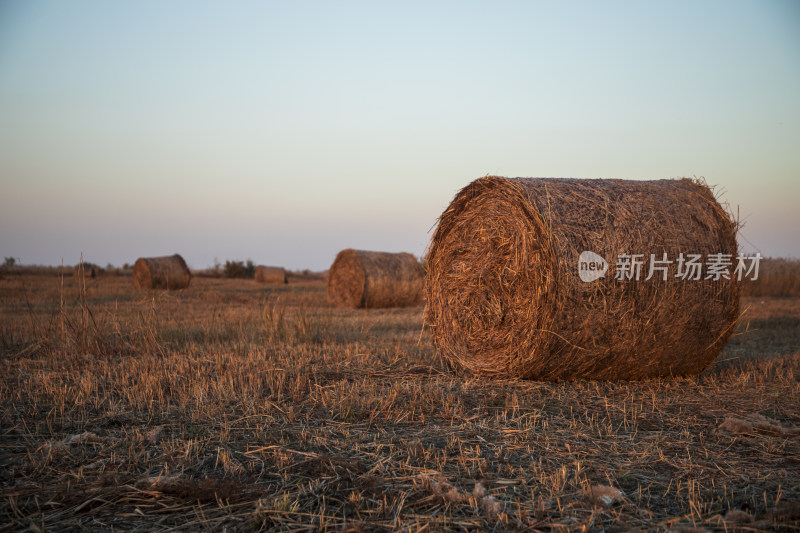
(167, 272)
(505, 297)
(87, 270)
(82, 271)
(268, 274)
(358, 278)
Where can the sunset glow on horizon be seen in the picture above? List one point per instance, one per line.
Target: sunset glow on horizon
(283, 132)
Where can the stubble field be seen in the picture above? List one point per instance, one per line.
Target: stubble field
(243, 407)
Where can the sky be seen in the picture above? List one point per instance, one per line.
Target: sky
(283, 132)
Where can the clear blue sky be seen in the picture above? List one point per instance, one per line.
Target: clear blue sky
(285, 131)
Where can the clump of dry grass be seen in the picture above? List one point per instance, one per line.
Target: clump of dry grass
(486, 501)
(268, 274)
(757, 423)
(504, 295)
(604, 495)
(736, 425)
(737, 516)
(167, 272)
(359, 278)
(73, 440)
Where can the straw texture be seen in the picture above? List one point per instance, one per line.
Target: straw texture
(268, 274)
(360, 278)
(504, 295)
(167, 272)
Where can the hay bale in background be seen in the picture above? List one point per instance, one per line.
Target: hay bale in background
(504, 296)
(87, 270)
(268, 274)
(359, 278)
(167, 272)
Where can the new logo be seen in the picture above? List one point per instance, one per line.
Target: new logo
(591, 266)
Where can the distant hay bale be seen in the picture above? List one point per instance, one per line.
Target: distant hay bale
(87, 270)
(359, 278)
(268, 274)
(167, 272)
(505, 298)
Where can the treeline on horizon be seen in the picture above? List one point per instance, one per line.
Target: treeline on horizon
(777, 276)
(230, 269)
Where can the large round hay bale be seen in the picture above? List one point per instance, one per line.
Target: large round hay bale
(358, 278)
(505, 296)
(167, 272)
(268, 274)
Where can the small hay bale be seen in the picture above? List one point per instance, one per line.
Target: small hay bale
(505, 298)
(87, 270)
(268, 274)
(167, 272)
(359, 278)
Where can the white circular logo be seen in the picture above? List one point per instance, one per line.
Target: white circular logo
(591, 266)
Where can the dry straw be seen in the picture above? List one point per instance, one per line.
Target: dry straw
(504, 296)
(268, 274)
(167, 272)
(359, 278)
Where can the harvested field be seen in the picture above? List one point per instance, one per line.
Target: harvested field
(237, 406)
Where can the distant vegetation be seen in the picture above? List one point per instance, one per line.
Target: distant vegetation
(239, 269)
(776, 277)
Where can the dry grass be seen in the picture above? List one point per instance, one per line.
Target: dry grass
(243, 407)
(504, 297)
